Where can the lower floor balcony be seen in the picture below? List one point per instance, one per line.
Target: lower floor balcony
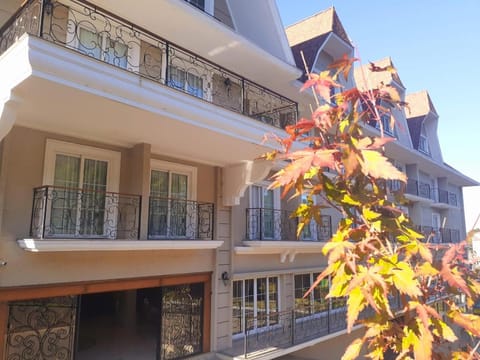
(89, 216)
(282, 330)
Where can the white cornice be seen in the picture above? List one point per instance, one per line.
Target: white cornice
(69, 245)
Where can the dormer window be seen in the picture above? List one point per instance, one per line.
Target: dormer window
(423, 142)
(198, 3)
(204, 5)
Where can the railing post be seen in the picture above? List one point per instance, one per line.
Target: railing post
(244, 97)
(167, 60)
(44, 213)
(140, 198)
(293, 326)
(245, 354)
(43, 4)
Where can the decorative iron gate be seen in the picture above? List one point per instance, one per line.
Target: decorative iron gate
(41, 329)
(182, 321)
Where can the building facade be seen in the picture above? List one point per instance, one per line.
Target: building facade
(135, 222)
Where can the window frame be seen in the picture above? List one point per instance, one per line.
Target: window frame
(175, 168)
(255, 327)
(112, 158)
(277, 206)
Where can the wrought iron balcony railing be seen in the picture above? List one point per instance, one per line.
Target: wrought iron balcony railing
(419, 188)
(180, 219)
(60, 212)
(447, 197)
(450, 235)
(69, 213)
(272, 224)
(101, 35)
(440, 236)
(284, 329)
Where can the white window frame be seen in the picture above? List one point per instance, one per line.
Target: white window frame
(209, 6)
(179, 63)
(255, 308)
(276, 206)
(181, 169)
(56, 147)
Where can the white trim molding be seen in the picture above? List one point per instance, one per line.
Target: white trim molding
(69, 245)
(287, 250)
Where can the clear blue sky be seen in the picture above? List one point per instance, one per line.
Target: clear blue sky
(435, 45)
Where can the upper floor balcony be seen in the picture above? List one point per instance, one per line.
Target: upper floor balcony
(445, 198)
(104, 66)
(439, 236)
(102, 36)
(274, 232)
(418, 191)
(111, 221)
(276, 225)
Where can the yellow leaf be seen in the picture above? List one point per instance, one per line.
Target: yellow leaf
(356, 303)
(426, 269)
(404, 280)
(353, 350)
(376, 165)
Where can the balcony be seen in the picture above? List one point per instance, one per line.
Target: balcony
(440, 236)
(281, 330)
(446, 197)
(67, 219)
(101, 35)
(277, 225)
(421, 191)
(273, 232)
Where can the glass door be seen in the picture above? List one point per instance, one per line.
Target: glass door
(169, 205)
(79, 197)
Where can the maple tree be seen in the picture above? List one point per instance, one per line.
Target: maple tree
(393, 279)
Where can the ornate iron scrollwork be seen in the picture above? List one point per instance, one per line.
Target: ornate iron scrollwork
(42, 329)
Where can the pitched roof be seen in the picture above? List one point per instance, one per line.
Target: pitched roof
(318, 24)
(420, 103)
(363, 73)
(308, 35)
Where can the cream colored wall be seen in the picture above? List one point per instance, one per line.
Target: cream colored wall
(22, 170)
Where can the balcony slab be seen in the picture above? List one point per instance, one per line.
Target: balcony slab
(287, 250)
(65, 245)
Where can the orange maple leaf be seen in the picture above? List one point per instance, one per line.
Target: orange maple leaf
(343, 65)
(322, 83)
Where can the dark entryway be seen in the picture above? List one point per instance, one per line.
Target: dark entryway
(160, 323)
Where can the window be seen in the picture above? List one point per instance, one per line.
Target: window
(171, 192)
(197, 3)
(255, 303)
(315, 302)
(185, 81)
(265, 216)
(423, 141)
(101, 46)
(81, 179)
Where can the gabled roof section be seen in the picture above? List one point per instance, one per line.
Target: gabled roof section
(374, 78)
(318, 24)
(420, 103)
(307, 36)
